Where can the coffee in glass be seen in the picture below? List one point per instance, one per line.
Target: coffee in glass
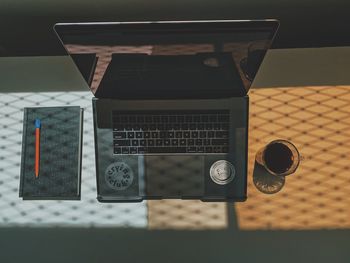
(279, 157)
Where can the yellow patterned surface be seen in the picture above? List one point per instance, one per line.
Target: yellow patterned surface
(317, 121)
(186, 214)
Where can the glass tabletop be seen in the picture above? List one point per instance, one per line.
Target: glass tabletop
(307, 218)
(315, 119)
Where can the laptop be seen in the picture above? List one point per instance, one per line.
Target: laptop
(170, 105)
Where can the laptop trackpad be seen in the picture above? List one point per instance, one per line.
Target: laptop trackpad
(174, 176)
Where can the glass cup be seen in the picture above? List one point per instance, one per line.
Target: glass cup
(279, 157)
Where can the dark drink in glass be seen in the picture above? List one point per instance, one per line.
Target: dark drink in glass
(279, 157)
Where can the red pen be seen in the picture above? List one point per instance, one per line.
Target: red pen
(37, 146)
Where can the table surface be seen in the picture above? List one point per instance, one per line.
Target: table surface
(307, 219)
(316, 197)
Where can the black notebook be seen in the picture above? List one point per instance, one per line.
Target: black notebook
(58, 176)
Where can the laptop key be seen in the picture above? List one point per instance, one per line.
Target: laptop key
(138, 135)
(178, 134)
(147, 135)
(204, 118)
(141, 150)
(132, 118)
(196, 118)
(211, 134)
(217, 126)
(162, 134)
(166, 149)
(116, 119)
(209, 149)
(184, 126)
(164, 119)
(135, 143)
(217, 149)
(200, 149)
(174, 142)
(219, 142)
(180, 119)
(140, 119)
(183, 142)
(125, 150)
(117, 150)
(167, 126)
(159, 142)
(154, 135)
(187, 134)
(221, 134)
(199, 142)
(142, 142)
(225, 126)
(223, 118)
(206, 141)
(133, 150)
(170, 134)
(121, 142)
(190, 142)
(191, 149)
(119, 135)
(156, 118)
(131, 135)
(166, 142)
(202, 134)
(150, 142)
(209, 126)
(213, 118)
(188, 118)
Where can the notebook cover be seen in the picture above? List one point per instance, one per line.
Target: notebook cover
(60, 154)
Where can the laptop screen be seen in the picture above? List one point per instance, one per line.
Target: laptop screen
(159, 59)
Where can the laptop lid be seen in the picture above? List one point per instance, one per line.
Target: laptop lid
(167, 59)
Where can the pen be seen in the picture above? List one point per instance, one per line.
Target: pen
(37, 146)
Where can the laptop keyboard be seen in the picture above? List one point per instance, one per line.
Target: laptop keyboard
(162, 132)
